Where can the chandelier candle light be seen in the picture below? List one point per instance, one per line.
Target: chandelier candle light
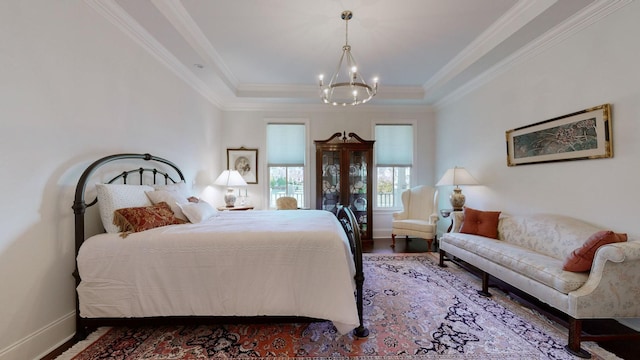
(230, 178)
(457, 176)
(346, 86)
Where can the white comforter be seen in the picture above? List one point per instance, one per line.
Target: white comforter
(247, 263)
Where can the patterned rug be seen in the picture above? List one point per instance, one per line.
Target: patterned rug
(413, 309)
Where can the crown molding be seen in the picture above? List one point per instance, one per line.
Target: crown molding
(178, 16)
(319, 107)
(111, 11)
(578, 22)
(513, 20)
(313, 92)
(277, 91)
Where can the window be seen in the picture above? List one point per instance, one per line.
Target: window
(286, 153)
(394, 159)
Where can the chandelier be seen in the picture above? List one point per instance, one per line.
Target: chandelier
(346, 86)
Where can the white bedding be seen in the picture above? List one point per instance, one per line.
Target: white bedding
(239, 263)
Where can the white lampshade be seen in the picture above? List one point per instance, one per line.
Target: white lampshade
(230, 178)
(457, 176)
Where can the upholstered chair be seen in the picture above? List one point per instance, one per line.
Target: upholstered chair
(418, 217)
(286, 203)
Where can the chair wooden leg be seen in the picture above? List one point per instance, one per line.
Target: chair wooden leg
(393, 240)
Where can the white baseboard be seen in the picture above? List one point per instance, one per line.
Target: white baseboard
(39, 343)
(381, 234)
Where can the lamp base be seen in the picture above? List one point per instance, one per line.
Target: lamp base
(457, 199)
(230, 198)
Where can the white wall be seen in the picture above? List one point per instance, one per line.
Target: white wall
(247, 128)
(74, 88)
(595, 66)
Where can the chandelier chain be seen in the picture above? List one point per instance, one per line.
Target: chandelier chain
(346, 30)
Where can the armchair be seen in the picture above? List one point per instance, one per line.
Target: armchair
(286, 203)
(418, 217)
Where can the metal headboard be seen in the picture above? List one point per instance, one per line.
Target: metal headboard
(79, 204)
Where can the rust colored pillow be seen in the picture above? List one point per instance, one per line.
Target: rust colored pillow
(581, 258)
(137, 219)
(477, 222)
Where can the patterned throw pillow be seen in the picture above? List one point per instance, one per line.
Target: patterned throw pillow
(483, 223)
(173, 198)
(137, 219)
(581, 258)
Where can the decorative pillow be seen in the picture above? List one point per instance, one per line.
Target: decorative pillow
(137, 219)
(581, 258)
(198, 212)
(179, 187)
(477, 222)
(118, 196)
(173, 198)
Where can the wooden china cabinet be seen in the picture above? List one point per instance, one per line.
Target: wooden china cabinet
(343, 177)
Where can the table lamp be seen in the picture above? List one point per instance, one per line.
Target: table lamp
(457, 176)
(230, 179)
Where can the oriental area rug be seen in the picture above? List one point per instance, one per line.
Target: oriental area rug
(412, 308)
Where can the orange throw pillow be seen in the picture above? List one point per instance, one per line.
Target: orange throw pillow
(483, 223)
(137, 219)
(581, 258)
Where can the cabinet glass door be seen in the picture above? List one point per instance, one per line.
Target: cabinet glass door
(330, 180)
(358, 187)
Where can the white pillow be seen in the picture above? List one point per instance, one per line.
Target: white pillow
(112, 197)
(180, 187)
(198, 212)
(173, 198)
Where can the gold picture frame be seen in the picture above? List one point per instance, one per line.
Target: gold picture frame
(581, 135)
(245, 161)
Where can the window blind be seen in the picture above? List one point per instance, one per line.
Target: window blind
(285, 144)
(394, 145)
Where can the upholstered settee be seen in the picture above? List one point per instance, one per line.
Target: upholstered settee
(530, 252)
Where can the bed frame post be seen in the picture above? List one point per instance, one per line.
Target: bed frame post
(79, 208)
(350, 226)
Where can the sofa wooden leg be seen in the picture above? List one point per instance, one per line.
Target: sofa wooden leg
(429, 242)
(393, 240)
(575, 332)
(485, 285)
(441, 262)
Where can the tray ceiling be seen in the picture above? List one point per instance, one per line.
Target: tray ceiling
(249, 53)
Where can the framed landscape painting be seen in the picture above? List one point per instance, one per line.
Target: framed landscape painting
(581, 135)
(245, 161)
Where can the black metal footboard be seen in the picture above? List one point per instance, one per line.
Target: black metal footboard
(350, 225)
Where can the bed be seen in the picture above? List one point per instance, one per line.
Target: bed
(191, 262)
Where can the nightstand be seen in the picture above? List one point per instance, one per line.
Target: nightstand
(235, 208)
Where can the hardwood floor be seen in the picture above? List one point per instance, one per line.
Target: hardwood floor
(625, 349)
(381, 246)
